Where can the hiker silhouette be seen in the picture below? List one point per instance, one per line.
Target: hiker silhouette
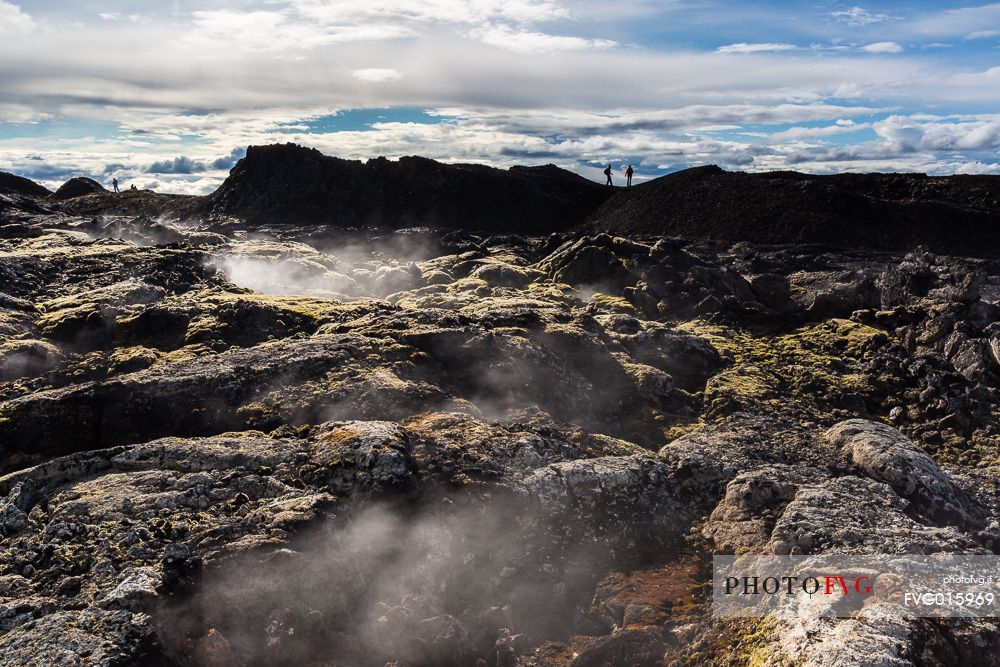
(628, 176)
(607, 172)
(114, 182)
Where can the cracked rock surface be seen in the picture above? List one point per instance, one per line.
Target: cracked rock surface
(227, 446)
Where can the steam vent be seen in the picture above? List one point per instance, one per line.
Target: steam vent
(368, 425)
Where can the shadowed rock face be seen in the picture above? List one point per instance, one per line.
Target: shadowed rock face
(226, 444)
(294, 184)
(17, 185)
(19, 195)
(954, 214)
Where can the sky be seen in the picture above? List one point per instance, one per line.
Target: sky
(167, 94)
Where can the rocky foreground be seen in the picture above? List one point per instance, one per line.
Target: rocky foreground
(228, 445)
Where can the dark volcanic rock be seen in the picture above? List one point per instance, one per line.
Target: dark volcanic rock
(134, 203)
(290, 183)
(77, 187)
(18, 185)
(229, 444)
(957, 214)
(636, 648)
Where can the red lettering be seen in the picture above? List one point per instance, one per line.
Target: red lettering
(830, 581)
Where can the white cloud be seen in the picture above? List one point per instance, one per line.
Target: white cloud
(685, 119)
(131, 18)
(535, 43)
(202, 84)
(13, 20)
(278, 31)
(935, 145)
(859, 16)
(308, 24)
(376, 75)
(744, 47)
(990, 77)
(904, 134)
(882, 47)
(977, 168)
(517, 136)
(801, 133)
(983, 34)
(499, 137)
(21, 113)
(429, 11)
(960, 22)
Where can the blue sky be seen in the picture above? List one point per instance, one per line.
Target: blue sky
(169, 94)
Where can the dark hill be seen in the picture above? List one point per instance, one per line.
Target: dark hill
(135, 203)
(954, 214)
(290, 183)
(77, 187)
(18, 185)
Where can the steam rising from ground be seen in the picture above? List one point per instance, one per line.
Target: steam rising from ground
(478, 371)
(346, 268)
(430, 587)
(284, 277)
(430, 581)
(144, 231)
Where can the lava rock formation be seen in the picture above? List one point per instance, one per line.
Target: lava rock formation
(77, 187)
(18, 185)
(949, 214)
(228, 443)
(290, 183)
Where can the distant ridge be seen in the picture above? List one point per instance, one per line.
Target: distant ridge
(953, 214)
(287, 183)
(290, 183)
(18, 185)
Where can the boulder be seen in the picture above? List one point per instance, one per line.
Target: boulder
(855, 515)
(885, 455)
(504, 275)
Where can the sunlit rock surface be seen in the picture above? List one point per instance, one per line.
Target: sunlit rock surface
(225, 445)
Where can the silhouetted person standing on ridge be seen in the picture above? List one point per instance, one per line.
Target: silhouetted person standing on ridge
(114, 183)
(607, 172)
(628, 176)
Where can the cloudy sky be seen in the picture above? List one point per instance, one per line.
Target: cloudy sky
(168, 94)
